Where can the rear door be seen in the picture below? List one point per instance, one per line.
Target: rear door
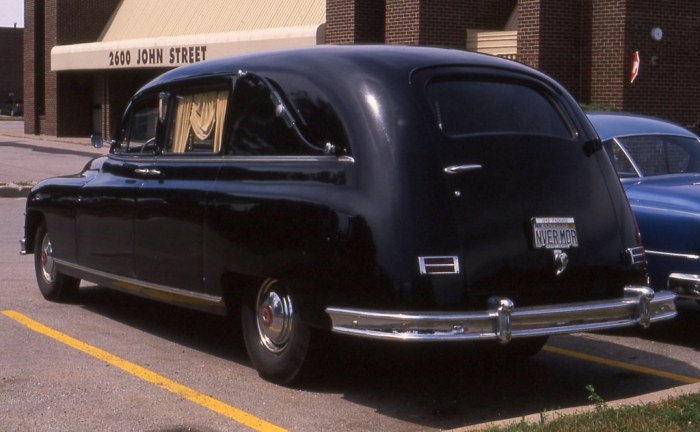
(171, 204)
(532, 209)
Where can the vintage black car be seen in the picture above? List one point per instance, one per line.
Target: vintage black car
(395, 193)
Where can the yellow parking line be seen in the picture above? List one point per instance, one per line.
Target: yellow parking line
(217, 406)
(621, 365)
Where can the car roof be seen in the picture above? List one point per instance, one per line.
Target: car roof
(345, 62)
(609, 125)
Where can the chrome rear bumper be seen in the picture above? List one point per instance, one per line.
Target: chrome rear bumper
(640, 306)
(685, 285)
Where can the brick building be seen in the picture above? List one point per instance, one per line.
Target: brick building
(97, 53)
(10, 63)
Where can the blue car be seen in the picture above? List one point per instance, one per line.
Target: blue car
(658, 163)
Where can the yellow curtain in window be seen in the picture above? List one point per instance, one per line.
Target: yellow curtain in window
(202, 114)
(221, 101)
(182, 124)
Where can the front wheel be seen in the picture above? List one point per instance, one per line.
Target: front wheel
(54, 285)
(276, 339)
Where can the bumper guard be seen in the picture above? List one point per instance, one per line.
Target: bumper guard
(685, 285)
(503, 321)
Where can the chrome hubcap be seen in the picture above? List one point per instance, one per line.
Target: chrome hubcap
(274, 316)
(48, 267)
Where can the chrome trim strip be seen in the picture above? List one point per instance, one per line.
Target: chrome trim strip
(286, 159)
(674, 255)
(428, 268)
(636, 255)
(663, 209)
(456, 169)
(501, 321)
(218, 159)
(23, 246)
(685, 285)
(147, 289)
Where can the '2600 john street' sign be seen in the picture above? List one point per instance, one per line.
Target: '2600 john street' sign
(173, 56)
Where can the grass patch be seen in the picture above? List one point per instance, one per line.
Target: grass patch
(680, 414)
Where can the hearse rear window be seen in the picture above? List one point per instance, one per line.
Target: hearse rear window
(466, 107)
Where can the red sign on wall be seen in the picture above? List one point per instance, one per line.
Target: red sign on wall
(635, 66)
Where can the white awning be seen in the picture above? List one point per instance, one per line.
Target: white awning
(172, 51)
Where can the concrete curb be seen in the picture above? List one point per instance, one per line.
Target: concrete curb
(12, 190)
(548, 416)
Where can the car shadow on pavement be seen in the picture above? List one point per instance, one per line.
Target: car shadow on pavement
(684, 330)
(213, 334)
(429, 385)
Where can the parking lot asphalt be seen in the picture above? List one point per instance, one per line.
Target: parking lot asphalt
(26, 159)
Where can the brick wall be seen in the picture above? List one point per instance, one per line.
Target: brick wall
(11, 63)
(48, 120)
(550, 38)
(668, 84)
(33, 60)
(609, 58)
(402, 22)
(529, 32)
(82, 21)
(55, 22)
(443, 22)
(354, 21)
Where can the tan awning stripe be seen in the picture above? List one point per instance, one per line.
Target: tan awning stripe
(138, 19)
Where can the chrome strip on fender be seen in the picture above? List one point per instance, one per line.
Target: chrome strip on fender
(502, 321)
(149, 290)
(672, 254)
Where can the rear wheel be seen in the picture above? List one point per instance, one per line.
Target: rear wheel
(54, 285)
(276, 339)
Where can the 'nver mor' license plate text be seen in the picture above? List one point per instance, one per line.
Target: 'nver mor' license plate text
(554, 233)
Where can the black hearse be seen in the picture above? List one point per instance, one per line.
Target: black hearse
(395, 193)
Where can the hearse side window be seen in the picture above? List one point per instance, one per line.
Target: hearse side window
(258, 128)
(465, 107)
(319, 121)
(139, 133)
(198, 122)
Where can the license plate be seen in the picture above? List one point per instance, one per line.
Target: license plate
(554, 233)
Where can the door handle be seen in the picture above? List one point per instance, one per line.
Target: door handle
(147, 172)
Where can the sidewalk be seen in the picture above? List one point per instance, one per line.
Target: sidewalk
(26, 159)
